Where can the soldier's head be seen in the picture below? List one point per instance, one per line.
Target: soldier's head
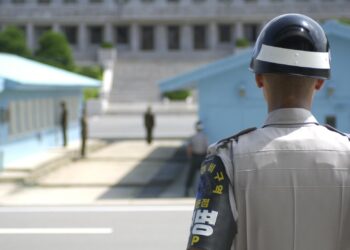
(291, 60)
(149, 109)
(63, 104)
(199, 126)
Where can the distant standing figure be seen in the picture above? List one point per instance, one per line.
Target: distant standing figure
(149, 124)
(196, 151)
(84, 131)
(64, 122)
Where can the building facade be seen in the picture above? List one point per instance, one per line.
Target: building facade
(31, 97)
(229, 100)
(156, 28)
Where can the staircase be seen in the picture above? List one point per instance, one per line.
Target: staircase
(135, 79)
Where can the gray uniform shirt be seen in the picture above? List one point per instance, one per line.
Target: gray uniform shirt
(199, 143)
(291, 185)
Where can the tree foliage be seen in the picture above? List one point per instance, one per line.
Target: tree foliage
(344, 21)
(12, 40)
(178, 95)
(54, 50)
(242, 43)
(90, 71)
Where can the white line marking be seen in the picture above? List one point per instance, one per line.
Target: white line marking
(56, 231)
(97, 209)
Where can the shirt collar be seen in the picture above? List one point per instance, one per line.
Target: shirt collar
(290, 116)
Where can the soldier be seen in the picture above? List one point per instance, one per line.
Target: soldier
(84, 131)
(149, 124)
(64, 122)
(285, 185)
(196, 151)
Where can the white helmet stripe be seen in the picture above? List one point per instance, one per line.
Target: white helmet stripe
(298, 58)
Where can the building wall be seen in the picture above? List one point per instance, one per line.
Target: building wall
(231, 102)
(244, 19)
(33, 123)
(237, 103)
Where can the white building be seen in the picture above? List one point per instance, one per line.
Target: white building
(156, 38)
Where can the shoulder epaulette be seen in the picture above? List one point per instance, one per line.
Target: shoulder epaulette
(236, 136)
(329, 127)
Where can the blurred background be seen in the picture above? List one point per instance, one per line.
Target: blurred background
(104, 103)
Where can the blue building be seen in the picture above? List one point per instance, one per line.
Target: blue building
(30, 97)
(229, 100)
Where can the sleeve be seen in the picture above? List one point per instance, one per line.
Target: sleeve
(213, 225)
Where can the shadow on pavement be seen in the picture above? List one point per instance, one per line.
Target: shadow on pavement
(152, 176)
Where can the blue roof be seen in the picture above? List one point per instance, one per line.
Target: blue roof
(19, 72)
(336, 28)
(191, 79)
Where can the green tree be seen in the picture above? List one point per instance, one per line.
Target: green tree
(12, 40)
(242, 43)
(54, 50)
(90, 71)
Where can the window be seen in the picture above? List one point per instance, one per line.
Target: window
(71, 33)
(17, 1)
(28, 116)
(4, 115)
(251, 32)
(331, 120)
(120, 2)
(122, 35)
(173, 37)
(31, 115)
(199, 37)
(13, 118)
(95, 35)
(44, 1)
(40, 30)
(147, 37)
(225, 33)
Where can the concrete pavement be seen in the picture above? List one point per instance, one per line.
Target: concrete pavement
(123, 168)
(120, 170)
(131, 227)
(131, 126)
(25, 169)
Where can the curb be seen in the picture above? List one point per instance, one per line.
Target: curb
(28, 177)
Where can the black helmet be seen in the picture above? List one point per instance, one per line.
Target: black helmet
(292, 44)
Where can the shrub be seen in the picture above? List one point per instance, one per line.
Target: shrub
(344, 20)
(91, 93)
(178, 94)
(107, 45)
(12, 40)
(93, 72)
(242, 43)
(54, 50)
(90, 71)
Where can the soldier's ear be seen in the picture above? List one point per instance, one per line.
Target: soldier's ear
(259, 79)
(319, 84)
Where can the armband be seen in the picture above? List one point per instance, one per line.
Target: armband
(213, 226)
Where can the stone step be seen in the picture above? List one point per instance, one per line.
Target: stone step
(27, 170)
(137, 80)
(159, 108)
(13, 176)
